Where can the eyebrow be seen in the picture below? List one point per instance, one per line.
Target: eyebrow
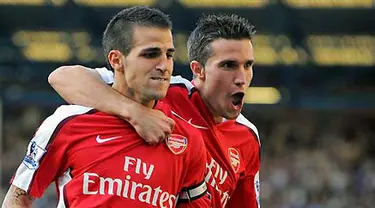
(171, 50)
(156, 49)
(228, 61)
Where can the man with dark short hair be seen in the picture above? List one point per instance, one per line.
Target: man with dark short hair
(99, 160)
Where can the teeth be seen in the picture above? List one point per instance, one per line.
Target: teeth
(158, 79)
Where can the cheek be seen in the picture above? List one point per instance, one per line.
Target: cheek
(218, 90)
(249, 77)
(135, 77)
(170, 67)
(218, 83)
(129, 73)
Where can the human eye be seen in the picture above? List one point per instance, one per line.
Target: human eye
(229, 65)
(150, 55)
(248, 64)
(170, 55)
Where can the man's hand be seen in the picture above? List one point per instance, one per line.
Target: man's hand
(152, 125)
(83, 86)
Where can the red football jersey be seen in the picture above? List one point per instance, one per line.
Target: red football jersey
(233, 146)
(233, 158)
(98, 160)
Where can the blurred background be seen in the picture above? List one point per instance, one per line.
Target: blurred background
(312, 98)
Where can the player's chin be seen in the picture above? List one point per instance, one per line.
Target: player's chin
(159, 95)
(231, 114)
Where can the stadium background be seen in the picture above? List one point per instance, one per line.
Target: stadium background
(312, 98)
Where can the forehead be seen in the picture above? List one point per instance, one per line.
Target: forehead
(239, 50)
(144, 37)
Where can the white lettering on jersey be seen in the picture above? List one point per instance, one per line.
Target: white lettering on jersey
(146, 169)
(216, 173)
(86, 182)
(127, 189)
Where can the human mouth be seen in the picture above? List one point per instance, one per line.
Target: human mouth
(237, 99)
(159, 78)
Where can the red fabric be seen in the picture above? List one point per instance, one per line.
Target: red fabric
(229, 185)
(122, 172)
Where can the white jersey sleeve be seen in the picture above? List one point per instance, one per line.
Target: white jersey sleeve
(44, 157)
(105, 74)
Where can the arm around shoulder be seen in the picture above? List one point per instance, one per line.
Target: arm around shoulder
(88, 87)
(70, 82)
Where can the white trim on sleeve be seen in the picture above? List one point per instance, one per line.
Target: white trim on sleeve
(106, 75)
(37, 146)
(243, 120)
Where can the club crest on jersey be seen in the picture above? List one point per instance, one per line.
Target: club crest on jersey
(234, 158)
(33, 155)
(176, 143)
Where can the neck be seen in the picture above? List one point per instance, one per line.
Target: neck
(120, 86)
(217, 118)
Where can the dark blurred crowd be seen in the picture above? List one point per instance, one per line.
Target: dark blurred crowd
(314, 159)
(310, 158)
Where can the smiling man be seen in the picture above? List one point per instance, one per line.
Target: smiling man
(221, 58)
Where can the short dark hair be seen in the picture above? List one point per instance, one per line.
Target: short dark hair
(212, 27)
(119, 32)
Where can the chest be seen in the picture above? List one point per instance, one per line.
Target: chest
(225, 164)
(224, 160)
(122, 156)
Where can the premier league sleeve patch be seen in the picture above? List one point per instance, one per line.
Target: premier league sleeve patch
(176, 143)
(33, 155)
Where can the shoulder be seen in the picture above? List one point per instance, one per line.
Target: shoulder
(179, 91)
(178, 81)
(242, 120)
(63, 113)
(52, 124)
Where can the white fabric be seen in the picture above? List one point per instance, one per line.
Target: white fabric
(243, 120)
(181, 80)
(194, 192)
(37, 146)
(63, 180)
(105, 74)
